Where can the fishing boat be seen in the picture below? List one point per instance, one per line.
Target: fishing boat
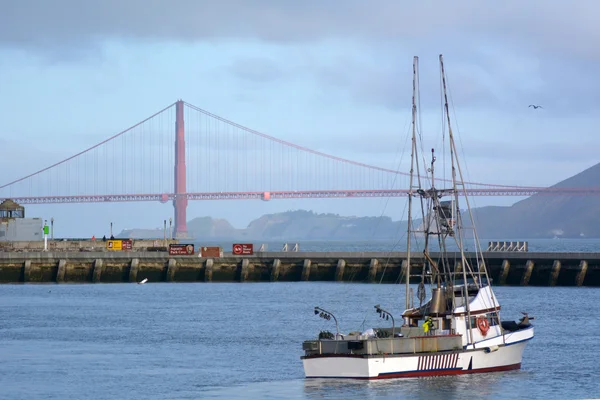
(458, 329)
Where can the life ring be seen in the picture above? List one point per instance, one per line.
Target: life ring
(483, 324)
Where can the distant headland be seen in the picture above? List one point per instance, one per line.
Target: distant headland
(539, 216)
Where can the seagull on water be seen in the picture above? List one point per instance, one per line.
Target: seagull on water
(535, 107)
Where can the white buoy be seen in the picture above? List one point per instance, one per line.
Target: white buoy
(143, 281)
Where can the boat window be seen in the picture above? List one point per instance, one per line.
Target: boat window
(492, 319)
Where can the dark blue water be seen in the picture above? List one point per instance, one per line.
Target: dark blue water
(234, 340)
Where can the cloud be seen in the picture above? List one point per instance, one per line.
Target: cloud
(375, 77)
(501, 55)
(256, 69)
(388, 81)
(539, 24)
(477, 80)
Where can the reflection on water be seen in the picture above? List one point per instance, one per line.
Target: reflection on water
(506, 385)
(413, 388)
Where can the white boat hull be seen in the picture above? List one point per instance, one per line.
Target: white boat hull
(487, 356)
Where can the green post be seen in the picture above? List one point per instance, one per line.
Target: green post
(46, 231)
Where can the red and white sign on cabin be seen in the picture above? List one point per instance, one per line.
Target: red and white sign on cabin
(243, 249)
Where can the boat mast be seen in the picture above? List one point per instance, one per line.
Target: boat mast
(454, 161)
(412, 169)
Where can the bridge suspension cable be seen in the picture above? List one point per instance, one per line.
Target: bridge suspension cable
(89, 148)
(140, 166)
(332, 157)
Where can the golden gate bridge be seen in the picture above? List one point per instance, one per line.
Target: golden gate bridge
(215, 159)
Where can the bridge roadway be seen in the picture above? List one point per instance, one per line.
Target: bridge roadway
(296, 194)
(506, 268)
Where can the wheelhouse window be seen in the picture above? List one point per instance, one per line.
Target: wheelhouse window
(492, 319)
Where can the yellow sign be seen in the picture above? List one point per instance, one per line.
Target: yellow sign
(114, 245)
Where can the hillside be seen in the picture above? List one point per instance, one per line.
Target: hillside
(547, 216)
(303, 225)
(538, 216)
(290, 225)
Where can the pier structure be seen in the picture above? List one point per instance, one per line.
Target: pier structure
(505, 268)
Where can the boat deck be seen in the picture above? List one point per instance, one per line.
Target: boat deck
(359, 345)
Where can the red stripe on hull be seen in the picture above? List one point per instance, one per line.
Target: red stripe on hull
(417, 374)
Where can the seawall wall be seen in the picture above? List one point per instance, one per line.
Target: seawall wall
(506, 268)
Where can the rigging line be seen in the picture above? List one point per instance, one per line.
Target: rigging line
(454, 159)
(472, 274)
(426, 177)
(414, 149)
(417, 242)
(443, 132)
(387, 199)
(340, 159)
(458, 131)
(90, 148)
(393, 247)
(475, 236)
(419, 129)
(364, 320)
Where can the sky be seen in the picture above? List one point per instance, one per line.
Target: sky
(334, 76)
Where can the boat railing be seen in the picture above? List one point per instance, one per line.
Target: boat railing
(371, 346)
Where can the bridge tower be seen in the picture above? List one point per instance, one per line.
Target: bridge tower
(180, 202)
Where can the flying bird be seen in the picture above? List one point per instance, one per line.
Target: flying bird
(535, 107)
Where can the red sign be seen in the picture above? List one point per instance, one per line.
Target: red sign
(127, 244)
(211, 252)
(243, 249)
(181, 249)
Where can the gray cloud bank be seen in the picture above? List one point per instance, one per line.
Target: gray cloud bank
(539, 25)
(491, 39)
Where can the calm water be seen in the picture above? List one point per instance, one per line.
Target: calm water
(232, 340)
(554, 245)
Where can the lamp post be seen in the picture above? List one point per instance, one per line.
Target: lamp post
(52, 228)
(327, 315)
(111, 235)
(171, 228)
(165, 231)
(386, 314)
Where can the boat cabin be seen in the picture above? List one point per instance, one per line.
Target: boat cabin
(449, 316)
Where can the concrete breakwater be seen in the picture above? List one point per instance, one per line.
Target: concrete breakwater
(506, 268)
(82, 245)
